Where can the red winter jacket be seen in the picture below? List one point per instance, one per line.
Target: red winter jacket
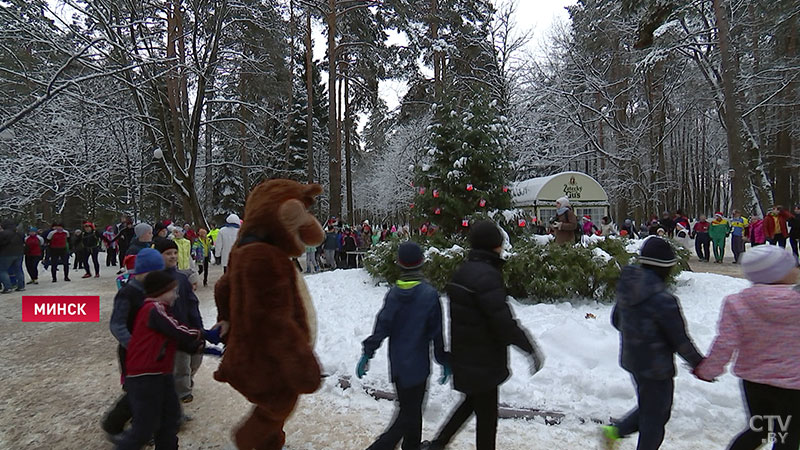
(156, 337)
(769, 224)
(33, 245)
(702, 227)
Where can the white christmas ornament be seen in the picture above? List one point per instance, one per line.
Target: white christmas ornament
(158, 153)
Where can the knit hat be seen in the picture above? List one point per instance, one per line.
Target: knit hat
(484, 235)
(409, 256)
(159, 226)
(141, 228)
(564, 201)
(767, 264)
(234, 219)
(33, 229)
(88, 224)
(159, 282)
(587, 217)
(719, 214)
(165, 244)
(148, 260)
(657, 252)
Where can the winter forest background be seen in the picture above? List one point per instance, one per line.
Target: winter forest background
(176, 108)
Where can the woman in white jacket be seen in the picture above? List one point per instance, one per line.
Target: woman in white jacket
(226, 239)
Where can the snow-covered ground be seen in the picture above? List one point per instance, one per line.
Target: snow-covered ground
(581, 377)
(58, 379)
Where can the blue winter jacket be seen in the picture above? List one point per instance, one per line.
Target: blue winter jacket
(651, 325)
(187, 307)
(411, 318)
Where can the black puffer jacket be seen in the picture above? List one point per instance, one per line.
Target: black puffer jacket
(482, 325)
(11, 242)
(651, 325)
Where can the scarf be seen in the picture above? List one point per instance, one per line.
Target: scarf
(562, 210)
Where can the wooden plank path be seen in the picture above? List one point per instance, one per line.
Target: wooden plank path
(505, 411)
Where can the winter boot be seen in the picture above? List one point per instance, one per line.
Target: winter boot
(610, 436)
(87, 275)
(97, 275)
(67, 279)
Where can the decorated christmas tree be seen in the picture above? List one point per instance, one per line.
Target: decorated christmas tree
(466, 171)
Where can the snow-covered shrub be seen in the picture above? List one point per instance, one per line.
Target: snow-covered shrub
(535, 272)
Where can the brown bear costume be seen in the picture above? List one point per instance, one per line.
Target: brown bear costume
(265, 312)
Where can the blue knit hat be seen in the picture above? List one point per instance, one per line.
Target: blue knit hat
(148, 260)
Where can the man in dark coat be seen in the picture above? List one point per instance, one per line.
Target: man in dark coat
(482, 327)
(652, 330)
(124, 238)
(12, 251)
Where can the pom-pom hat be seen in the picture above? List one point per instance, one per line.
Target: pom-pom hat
(158, 282)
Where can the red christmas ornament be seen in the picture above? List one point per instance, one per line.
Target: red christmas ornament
(437, 211)
(422, 191)
(522, 223)
(435, 193)
(482, 202)
(465, 223)
(469, 187)
(412, 206)
(505, 188)
(424, 229)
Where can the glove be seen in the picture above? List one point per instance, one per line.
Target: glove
(212, 335)
(537, 360)
(213, 351)
(446, 372)
(557, 225)
(363, 366)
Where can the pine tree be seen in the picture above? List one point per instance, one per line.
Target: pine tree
(467, 173)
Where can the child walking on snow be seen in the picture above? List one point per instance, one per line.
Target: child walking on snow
(149, 365)
(411, 318)
(760, 326)
(652, 330)
(718, 232)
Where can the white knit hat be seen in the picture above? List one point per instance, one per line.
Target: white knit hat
(767, 264)
(564, 201)
(234, 219)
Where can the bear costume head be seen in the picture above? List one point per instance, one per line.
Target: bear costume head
(277, 212)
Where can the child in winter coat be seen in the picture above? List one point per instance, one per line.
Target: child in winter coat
(755, 231)
(759, 328)
(149, 363)
(482, 327)
(682, 235)
(702, 240)
(718, 232)
(607, 227)
(589, 228)
(184, 249)
(111, 246)
(411, 318)
(652, 330)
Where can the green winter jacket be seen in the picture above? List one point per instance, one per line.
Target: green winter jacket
(719, 230)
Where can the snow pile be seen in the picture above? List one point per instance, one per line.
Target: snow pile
(581, 378)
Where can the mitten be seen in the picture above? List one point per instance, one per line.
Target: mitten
(363, 366)
(212, 335)
(446, 372)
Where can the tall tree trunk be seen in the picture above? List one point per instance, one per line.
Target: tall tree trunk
(348, 125)
(750, 186)
(209, 142)
(290, 90)
(335, 149)
(438, 76)
(310, 97)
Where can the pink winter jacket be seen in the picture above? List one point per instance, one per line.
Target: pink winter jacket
(759, 327)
